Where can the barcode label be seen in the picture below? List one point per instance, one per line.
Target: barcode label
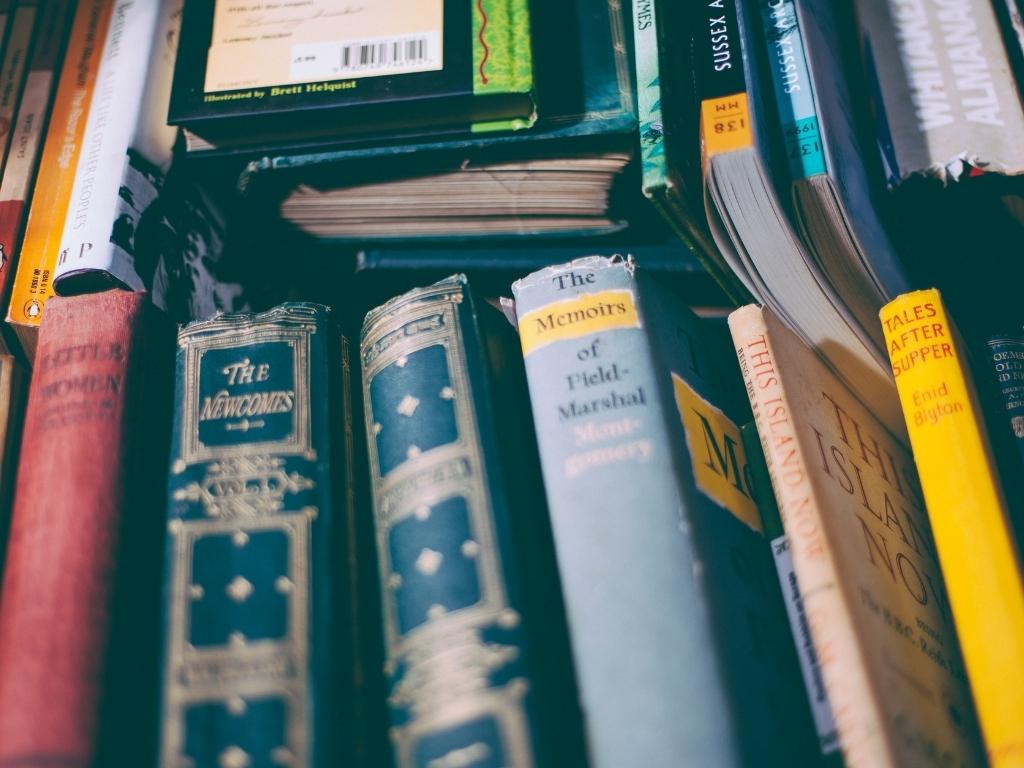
(366, 57)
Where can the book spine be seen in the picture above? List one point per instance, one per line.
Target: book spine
(74, 485)
(502, 51)
(13, 385)
(251, 660)
(1005, 357)
(968, 513)
(37, 255)
(121, 169)
(725, 115)
(810, 666)
(791, 83)
(460, 667)
(857, 718)
(648, 79)
(602, 414)
(33, 116)
(12, 67)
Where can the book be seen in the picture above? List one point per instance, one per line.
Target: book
(810, 664)
(258, 631)
(749, 220)
(253, 75)
(587, 116)
(33, 115)
(36, 256)
(13, 386)
(125, 152)
(645, 477)
(865, 561)
(465, 563)
(668, 132)
(92, 452)
(1003, 367)
(16, 51)
(968, 512)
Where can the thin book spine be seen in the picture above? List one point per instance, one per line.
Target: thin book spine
(968, 512)
(13, 66)
(36, 256)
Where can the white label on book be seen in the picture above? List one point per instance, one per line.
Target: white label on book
(267, 47)
(810, 667)
(364, 58)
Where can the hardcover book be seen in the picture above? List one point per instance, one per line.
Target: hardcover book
(36, 256)
(258, 641)
(75, 635)
(866, 565)
(475, 652)
(974, 533)
(646, 483)
(249, 75)
(13, 386)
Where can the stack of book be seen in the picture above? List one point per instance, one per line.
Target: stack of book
(682, 421)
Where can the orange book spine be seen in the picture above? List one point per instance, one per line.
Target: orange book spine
(37, 256)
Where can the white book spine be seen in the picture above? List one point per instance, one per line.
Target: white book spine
(124, 150)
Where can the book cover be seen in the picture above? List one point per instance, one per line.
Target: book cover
(968, 511)
(126, 150)
(36, 256)
(321, 71)
(585, 93)
(258, 636)
(646, 484)
(466, 573)
(91, 454)
(865, 561)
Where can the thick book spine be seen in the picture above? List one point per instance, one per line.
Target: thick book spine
(463, 676)
(623, 403)
(13, 65)
(33, 116)
(126, 150)
(36, 256)
(810, 665)
(83, 475)
(968, 512)
(253, 666)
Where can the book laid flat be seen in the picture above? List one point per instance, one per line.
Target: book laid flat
(91, 454)
(669, 139)
(249, 75)
(973, 531)
(672, 600)
(258, 641)
(476, 659)
(865, 561)
(36, 255)
(581, 141)
(750, 220)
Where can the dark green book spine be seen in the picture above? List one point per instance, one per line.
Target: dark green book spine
(448, 492)
(252, 662)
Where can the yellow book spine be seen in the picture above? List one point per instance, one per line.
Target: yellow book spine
(51, 200)
(968, 513)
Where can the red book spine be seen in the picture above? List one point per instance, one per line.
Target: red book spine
(83, 413)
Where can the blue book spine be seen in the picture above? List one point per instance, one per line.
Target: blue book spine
(674, 613)
(251, 663)
(463, 687)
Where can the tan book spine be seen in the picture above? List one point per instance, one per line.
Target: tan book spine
(857, 716)
(37, 255)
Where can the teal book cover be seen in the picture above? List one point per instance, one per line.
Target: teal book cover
(258, 655)
(671, 595)
(475, 651)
